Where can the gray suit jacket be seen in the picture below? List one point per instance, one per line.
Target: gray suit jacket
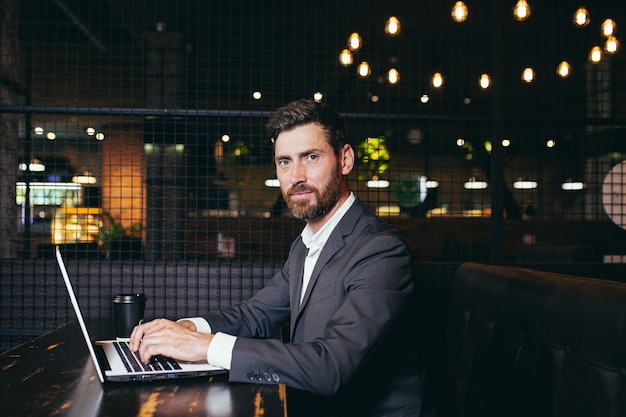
(350, 352)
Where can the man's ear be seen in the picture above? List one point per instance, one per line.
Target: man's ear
(347, 159)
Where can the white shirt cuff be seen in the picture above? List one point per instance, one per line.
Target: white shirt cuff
(202, 326)
(220, 351)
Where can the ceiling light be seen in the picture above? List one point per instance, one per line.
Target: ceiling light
(595, 55)
(393, 76)
(99, 136)
(34, 166)
(523, 184)
(581, 17)
(257, 95)
(485, 81)
(39, 130)
(392, 27)
(564, 69)
(474, 183)
(528, 75)
(345, 57)
(459, 12)
(521, 11)
(364, 69)
(611, 45)
(354, 42)
(573, 185)
(84, 178)
(437, 80)
(90, 131)
(376, 183)
(608, 28)
(272, 183)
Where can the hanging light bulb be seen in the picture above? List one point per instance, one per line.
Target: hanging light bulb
(393, 76)
(392, 27)
(345, 57)
(611, 46)
(608, 28)
(564, 69)
(437, 80)
(354, 42)
(528, 75)
(595, 55)
(485, 81)
(459, 12)
(521, 11)
(581, 17)
(364, 69)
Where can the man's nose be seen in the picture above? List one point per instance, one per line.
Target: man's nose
(298, 173)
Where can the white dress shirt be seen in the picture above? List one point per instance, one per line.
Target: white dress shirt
(220, 350)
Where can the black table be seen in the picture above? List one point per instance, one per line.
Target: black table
(54, 376)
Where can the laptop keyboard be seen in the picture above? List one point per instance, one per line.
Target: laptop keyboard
(133, 363)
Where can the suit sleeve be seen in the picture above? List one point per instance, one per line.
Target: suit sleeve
(258, 317)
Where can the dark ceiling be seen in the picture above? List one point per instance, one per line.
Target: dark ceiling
(289, 49)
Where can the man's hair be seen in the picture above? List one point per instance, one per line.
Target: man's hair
(302, 112)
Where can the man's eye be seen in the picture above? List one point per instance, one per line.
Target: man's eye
(312, 157)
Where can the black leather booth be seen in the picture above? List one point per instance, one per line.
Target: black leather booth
(529, 343)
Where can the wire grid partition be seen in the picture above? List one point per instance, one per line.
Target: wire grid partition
(133, 134)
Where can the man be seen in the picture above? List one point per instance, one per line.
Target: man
(344, 290)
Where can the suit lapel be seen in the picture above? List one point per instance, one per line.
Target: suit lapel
(335, 242)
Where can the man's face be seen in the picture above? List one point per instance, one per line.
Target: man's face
(309, 172)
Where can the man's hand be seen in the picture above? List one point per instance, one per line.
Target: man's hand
(164, 337)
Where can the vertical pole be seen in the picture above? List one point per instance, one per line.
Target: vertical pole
(497, 154)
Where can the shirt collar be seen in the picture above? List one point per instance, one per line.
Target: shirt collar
(316, 241)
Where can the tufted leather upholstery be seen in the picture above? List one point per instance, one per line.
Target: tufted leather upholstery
(528, 343)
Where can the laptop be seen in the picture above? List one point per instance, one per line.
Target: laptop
(115, 362)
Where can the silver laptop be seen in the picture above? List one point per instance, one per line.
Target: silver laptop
(115, 362)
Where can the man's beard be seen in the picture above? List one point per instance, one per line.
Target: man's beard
(322, 202)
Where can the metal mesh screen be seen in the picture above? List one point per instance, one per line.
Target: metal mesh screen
(133, 132)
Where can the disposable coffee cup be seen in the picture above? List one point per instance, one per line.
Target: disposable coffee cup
(128, 311)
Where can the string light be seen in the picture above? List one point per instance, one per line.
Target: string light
(354, 42)
(459, 12)
(595, 55)
(485, 81)
(345, 57)
(528, 75)
(564, 69)
(581, 17)
(437, 80)
(521, 11)
(392, 27)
